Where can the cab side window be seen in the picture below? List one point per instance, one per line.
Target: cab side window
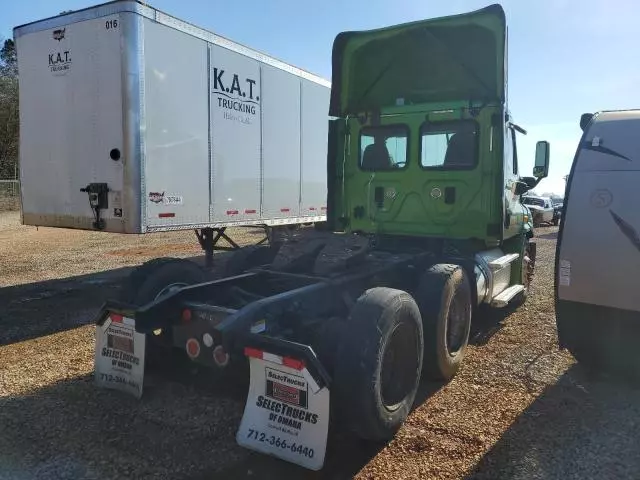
(514, 149)
(510, 153)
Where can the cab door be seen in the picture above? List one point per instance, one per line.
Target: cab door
(513, 209)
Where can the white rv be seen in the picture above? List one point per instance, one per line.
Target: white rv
(598, 249)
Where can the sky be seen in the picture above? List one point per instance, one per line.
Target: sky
(566, 57)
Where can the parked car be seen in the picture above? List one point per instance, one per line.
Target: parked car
(557, 203)
(541, 208)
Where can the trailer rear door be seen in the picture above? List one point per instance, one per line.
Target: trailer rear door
(71, 121)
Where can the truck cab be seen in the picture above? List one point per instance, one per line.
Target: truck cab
(424, 144)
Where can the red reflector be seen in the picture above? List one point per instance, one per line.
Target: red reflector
(193, 348)
(293, 363)
(285, 210)
(166, 215)
(116, 318)
(249, 211)
(312, 208)
(253, 352)
(232, 212)
(186, 315)
(220, 356)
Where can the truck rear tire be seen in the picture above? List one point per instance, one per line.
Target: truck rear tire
(151, 281)
(377, 369)
(444, 298)
(157, 277)
(248, 257)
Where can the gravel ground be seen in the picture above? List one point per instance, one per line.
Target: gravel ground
(519, 408)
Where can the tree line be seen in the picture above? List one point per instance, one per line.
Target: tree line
(9, 116)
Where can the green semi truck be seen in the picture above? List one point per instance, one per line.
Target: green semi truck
(424, 227)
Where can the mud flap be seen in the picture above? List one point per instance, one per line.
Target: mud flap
(287, 411)
(119, 355)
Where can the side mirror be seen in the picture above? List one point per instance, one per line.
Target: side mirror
(525, 184)
(521, 187)
(541, 164)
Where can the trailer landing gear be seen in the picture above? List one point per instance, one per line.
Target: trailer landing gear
(209, 239)
(209, 242)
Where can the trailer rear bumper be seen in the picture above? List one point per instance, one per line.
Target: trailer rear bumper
(207, 344)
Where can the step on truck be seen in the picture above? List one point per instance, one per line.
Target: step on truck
(424, 228)
(598, 248)
(133, 121)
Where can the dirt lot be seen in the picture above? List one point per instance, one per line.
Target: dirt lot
(518, 409)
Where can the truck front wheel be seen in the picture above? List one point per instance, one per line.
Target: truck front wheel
(377, 369)
(444, 298)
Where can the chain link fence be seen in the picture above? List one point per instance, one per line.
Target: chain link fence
(9, 195)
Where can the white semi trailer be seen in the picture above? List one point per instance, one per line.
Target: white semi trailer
(133, 121)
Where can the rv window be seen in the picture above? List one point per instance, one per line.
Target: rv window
(449, 145)
(384, 147)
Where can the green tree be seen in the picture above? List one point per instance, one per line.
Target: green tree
(9, 58)
(9, 114)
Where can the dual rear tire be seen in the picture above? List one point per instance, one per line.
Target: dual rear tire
(393, 340)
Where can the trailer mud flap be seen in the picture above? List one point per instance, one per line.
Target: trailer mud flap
(287, 411)
(119, 355)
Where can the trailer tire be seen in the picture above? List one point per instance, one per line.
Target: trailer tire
(377, 368)
(445, 302)
(248, 257)
(149, 282)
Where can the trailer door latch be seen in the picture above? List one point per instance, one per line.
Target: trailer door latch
(98, 201)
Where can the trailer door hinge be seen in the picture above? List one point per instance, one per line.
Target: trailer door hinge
(98, 201)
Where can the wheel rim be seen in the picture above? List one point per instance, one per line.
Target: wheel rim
(399, 365)
(169, 289)
(456, 324)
